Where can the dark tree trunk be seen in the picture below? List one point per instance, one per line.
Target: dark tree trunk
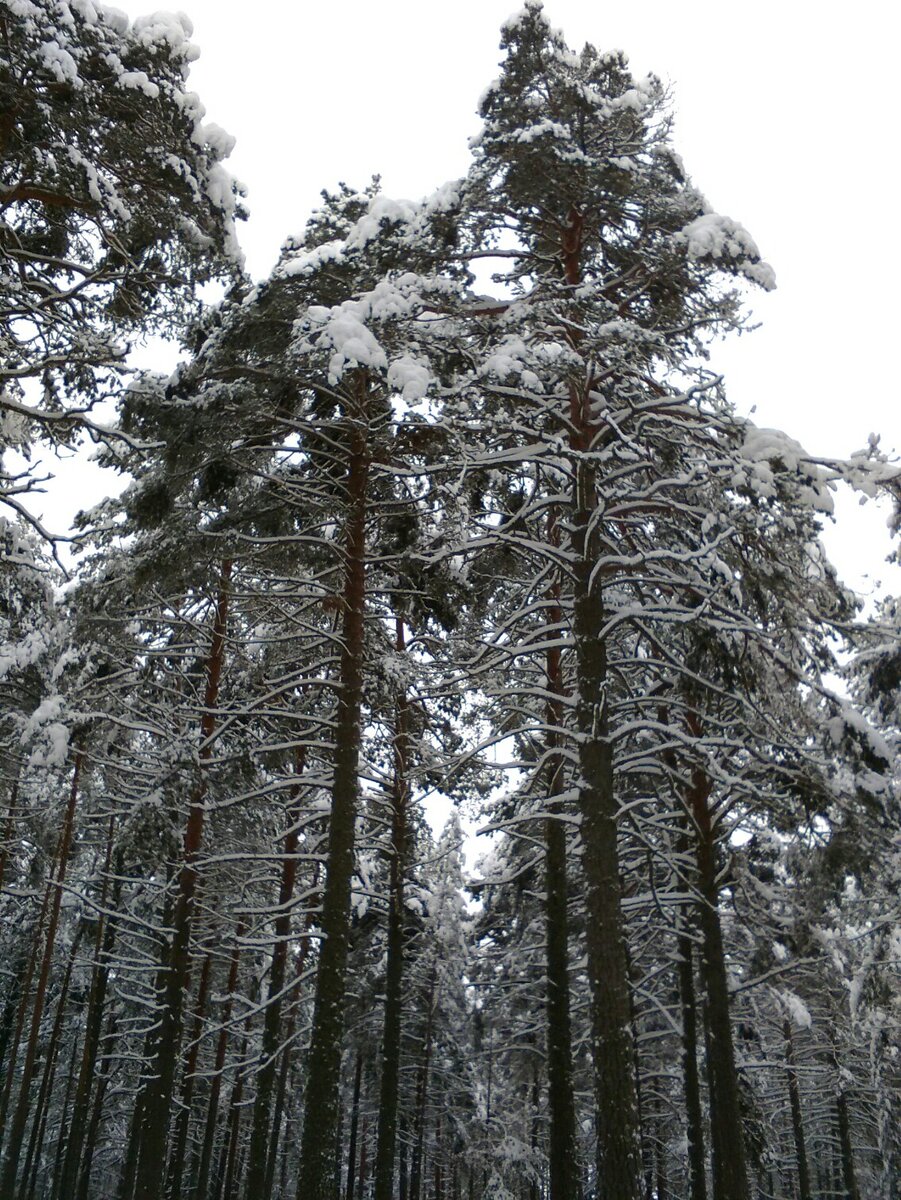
(403, 1180)
(563, 1159)
(316, 1177)
(180, 1140)
(20, 1113)
(212, 1113)
(51, 1051)
(275, 1131)
(74, 1141)
(422, 1085)
(23, 992)
(694, 1117)
(354, 1126)
(794, 1096)
(229, 1167)
(282, 1085)
(159, 1084)
(53, 1174)
(619, 1168)
(849, 1175)
(730, 1173)
(93, 1129)
(364, 1159)
(616, 1094)
(259, 1136)
(386, 1137)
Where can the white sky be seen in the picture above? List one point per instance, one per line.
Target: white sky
(786, 117)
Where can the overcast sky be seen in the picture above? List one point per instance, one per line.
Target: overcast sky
(786, 117)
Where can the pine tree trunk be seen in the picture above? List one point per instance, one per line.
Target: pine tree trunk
(53, 1175)
(563, 1159)
(694, 1118)
(93, 1128)
(354, 1127)
(51, 1053)
(23, 992)
(316, 1178)
(794, 1095)
(209, 1132)
(229, 1168)
(849, 1175)
(730, 1173)
(422, 1094)
(20, 1113)
(275, 1131)
(562, 1150)
(386, 1137)
(619, 1168)
(616, 1095)
(8, 833)
(364, 1160)
(160, 1082)
(74, 1140)
(259, 1136)
(180, 1141)
(274, 1135)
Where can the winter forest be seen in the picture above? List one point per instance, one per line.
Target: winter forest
(451, 513)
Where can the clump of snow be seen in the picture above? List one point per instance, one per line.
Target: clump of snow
(409, 377)
(715, 236)
(768, 451)
(173, 30)
(140, 81)
(848, 719)
(381, 208)
(60, 62)
(797, 1010)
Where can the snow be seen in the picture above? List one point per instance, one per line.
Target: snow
(381, 209)
(849, 718)
(173, 30)
(764, 450)
(715, 236)
(140, 82)
(60, 62)
(409, 377)
(797, 1010)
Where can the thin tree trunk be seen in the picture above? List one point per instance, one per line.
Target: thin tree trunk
(160, 1082)
(849, 1175)
(403, 1180)
(730, 1173)
(354, 1126)
(563, 1158)
(694, 1117)
(51, 1053)
(272, 1154)
(794, 1096)
(364, 1160)
(8, 833)
(20, 1114)
(180, 1141)
(436, 1162)
(22, 994)
(386, 1138)
(259, 1137)
(229, 1173)
(61, 1141)
(422, 1093)
(316, 1178)
(74, 1140)
(209, 1132)
(93, 1128)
